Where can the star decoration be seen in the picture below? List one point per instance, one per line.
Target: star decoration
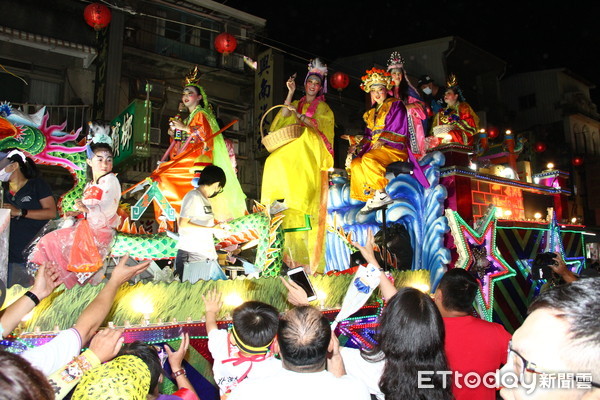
(478, 254)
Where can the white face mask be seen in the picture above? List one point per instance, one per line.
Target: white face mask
(427, 90)
(4, 175)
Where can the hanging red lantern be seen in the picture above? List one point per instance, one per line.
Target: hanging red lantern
(97, 15)
(339, 80)
(493, 132)
(577, 161)
(225, 43)
(539, 147)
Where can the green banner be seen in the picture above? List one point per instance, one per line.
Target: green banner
(130, 132)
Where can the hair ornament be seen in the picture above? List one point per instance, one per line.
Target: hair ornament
(452, 84)
(98, 133)
(192, 78)
(396, 61)
(316, 67)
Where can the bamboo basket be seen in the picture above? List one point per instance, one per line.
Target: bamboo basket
(443, 130)
(274, 140)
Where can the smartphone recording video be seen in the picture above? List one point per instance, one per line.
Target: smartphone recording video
(298, 275)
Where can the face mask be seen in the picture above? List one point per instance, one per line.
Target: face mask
(4, 175)
(427, 90)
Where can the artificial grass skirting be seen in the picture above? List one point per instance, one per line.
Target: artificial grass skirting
(181, 301)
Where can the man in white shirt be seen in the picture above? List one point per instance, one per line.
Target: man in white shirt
(303, 340)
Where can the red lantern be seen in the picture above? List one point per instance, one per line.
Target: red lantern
(539, 147)
(97, 15)
(225, 43)
(577, 161)
(339, 81)
(493, 132)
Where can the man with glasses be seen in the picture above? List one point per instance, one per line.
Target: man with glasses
(555, 354)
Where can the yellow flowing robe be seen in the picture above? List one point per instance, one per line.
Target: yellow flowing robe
(293, 172)
(389, 125)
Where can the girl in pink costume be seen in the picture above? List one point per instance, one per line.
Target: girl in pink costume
(80, 250)
(417, 110)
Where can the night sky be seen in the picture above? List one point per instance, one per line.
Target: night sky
(529, 35)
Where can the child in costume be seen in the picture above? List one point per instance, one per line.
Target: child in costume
(244, 352)
(297, 171)
(386, 140)
(80, 250)
(415, 107)
(199, 129)
(457, 122)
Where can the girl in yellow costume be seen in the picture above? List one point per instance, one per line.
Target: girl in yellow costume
(297, 171)
(201, 124)
(385, 141)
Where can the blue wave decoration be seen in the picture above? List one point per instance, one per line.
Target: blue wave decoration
(419, 210)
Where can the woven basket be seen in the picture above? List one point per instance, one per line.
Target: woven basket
(274, 140)
(442, 129)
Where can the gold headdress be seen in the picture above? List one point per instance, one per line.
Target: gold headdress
(452, 84)
(376, 76)
(396, 61)
(192, 78)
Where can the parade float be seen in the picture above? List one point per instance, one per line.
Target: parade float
(481, 218)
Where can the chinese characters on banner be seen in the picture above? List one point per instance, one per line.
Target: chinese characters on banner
(263, 92)
(129, 132)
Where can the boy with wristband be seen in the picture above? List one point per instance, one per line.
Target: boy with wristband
(245, 351)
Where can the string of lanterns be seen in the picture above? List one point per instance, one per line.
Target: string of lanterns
(98, 16)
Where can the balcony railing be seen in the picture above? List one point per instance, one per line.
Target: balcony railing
(197, 54)
(75, 116)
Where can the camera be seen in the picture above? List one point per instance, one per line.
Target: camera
(540, 268)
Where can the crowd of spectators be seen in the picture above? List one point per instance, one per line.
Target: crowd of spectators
(426, 347)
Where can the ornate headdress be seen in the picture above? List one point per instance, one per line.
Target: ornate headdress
(193, 79)
(396, 61)
(98, 133)
(316, 67)
(452, 84)
(376, 76)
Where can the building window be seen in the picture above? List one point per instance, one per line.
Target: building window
(527, 102)
(43, 92)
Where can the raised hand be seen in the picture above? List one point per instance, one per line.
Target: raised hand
(296, 295)
(212, 302)
(122, 272)
(47, 279)
(107, 343)
(176, 357)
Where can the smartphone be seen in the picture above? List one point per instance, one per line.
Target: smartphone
(298, 275)
(540, 268)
